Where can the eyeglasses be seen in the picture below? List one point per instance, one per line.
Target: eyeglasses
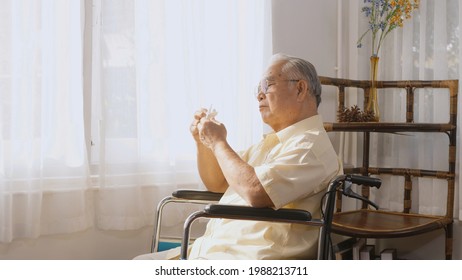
(265, 84)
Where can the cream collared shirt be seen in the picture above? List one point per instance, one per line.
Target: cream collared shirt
(294, 166)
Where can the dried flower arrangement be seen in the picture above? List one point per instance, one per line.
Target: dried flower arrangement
(384, 16)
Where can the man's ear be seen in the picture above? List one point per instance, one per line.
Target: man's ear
(302, 88)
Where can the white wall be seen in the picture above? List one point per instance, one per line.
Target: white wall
(308, 29)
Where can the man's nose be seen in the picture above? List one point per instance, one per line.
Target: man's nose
(260, 96)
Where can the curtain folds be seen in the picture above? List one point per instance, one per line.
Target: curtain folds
(153, 63)
(43, 164)
(160, 62)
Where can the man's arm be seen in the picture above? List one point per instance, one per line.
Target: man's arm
(209, 170)
(239, 174)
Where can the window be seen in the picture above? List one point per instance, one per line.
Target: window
(148, 65)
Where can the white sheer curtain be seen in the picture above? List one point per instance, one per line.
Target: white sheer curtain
(155, 63)
(426, 48)
(43, 165)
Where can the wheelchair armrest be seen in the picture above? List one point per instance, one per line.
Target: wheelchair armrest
(197, 195)
(256, 213)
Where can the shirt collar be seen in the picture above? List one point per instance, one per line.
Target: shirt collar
(297, 128)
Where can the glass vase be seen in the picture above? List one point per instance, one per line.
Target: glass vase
(372, 105)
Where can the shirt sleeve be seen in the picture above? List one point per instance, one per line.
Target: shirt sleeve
(297, 172)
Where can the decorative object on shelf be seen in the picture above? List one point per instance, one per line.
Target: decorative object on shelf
(372, 105)
(384, 16)
(354, 114)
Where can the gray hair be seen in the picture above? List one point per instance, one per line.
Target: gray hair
(297, 68)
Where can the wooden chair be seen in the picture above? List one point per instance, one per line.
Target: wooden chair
(369, 223)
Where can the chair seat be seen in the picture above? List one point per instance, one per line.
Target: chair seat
(381, 224)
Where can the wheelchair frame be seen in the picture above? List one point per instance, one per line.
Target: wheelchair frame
(296, 216)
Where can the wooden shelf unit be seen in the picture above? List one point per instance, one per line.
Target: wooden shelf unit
(368, 223)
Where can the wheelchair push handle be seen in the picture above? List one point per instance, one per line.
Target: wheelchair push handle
(364, 180)
(360, 180)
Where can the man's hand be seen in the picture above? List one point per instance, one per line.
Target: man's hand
(206, 129)
(211, 132)
(202, 113)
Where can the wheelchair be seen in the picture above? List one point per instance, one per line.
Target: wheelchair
(341, 183)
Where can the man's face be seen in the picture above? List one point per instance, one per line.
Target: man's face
(278, 107)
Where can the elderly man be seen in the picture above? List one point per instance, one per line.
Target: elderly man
(290, 168)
